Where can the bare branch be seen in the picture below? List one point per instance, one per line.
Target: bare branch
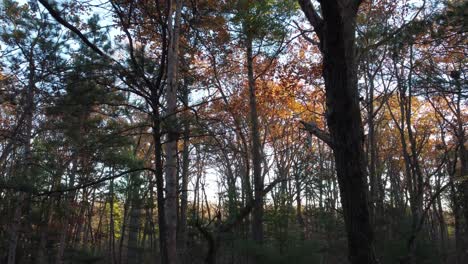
(304, 34)
(397, 31)
(319, 133)
(311, 14)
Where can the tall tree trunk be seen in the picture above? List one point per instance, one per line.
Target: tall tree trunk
(410, 153)
(111, 224)
(172, 133)
(456, 218)
(158, 164)
(25, 171)
(462, 166)
(257, 213)
(299, 216)
(69, 213)
(182, 234)
(336, 31)
(443, 234)
(43, 231)
(125, 220)
(13, 230)
(134, 221)
(371, 148)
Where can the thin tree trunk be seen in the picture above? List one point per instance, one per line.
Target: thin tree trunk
(14, 228)
(182, 235)
(29, 109)
(111, 224)
(134, 221)
(257, 213)
(371, 149)
(299, 216)
(124, 227)
(65, 221)
(442, 223)
(463, 163)
(159, 188)
(459, 243)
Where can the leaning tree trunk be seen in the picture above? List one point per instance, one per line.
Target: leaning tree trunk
(336, 31)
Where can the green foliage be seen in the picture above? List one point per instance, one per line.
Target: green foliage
(264, 19)
(29, 36)
(263, 22)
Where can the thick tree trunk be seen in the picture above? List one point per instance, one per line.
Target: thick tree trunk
(336, 31)
(170, 165)
(344, 122)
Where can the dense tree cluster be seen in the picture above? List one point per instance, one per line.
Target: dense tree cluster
(234, 131)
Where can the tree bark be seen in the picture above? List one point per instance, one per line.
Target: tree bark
(299, 216)
(371, 148)
(336, 31)
(182, 234)
(159, 176)
(257, 213)
(170, 165)
(112, 257)
(134, 221)
(463, 163)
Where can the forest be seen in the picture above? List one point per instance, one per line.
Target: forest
(233, 132)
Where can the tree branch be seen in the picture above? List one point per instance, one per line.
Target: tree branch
(304, 34)
(81, 186)
(319, 133)
(311, 14)
(75, 30)
(391, 35)
(248, 207)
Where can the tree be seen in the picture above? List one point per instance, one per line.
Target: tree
(168, 131)
(173, 132)
(33, 57)
(335, 30)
